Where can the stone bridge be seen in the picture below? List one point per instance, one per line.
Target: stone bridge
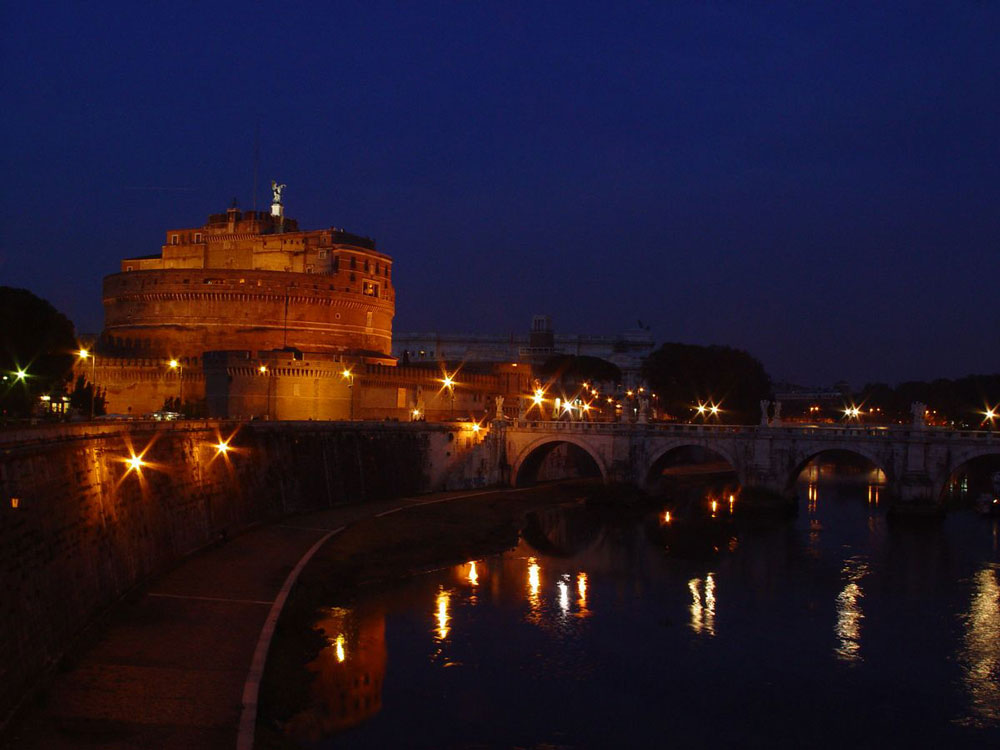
(917, 462)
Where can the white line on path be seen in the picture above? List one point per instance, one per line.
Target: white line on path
(251, 688)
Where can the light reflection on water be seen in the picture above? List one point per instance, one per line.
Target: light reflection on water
(980, 653)
(703, 604)
(849, 612)
(808, 623)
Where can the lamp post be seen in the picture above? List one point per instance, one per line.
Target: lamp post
(449, 383)
(85, 355)
(349, 377)
(176, 365)
(267, 404)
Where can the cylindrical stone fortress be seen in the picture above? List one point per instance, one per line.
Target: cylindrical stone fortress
(251, 281)
(247, 281)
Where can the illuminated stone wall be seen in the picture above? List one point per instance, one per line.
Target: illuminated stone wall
(278, 386)
(86, 529)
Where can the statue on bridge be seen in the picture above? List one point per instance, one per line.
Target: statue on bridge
(764, 406)
(643, 409)
(776, 419)
(498, 400)
(919, 412)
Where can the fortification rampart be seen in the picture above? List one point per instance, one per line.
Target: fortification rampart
(79, 527)
(184, 312)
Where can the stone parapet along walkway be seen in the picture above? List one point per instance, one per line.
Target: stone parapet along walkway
(168, 667)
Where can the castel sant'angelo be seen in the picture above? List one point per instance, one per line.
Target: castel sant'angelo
(250, 316)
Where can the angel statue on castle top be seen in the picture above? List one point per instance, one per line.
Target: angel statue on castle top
(276, 191)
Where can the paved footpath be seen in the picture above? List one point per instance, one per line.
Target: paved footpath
(170, 668)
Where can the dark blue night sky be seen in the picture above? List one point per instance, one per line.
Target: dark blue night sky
(816, 183)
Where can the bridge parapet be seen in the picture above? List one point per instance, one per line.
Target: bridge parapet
(786, 431)
(917, 462)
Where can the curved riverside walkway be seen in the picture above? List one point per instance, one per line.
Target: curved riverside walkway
(173, 666)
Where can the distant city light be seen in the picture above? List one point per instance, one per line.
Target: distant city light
(21, 374)
(83, 354)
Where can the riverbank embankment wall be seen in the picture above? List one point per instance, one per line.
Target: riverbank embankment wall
(80, 526)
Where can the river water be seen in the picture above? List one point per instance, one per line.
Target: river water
(835, 628)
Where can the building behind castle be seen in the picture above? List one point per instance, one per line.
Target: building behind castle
(627, 350)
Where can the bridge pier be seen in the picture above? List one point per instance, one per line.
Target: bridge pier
(913, 495)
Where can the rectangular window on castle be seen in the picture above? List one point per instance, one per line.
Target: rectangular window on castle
(370, 289)
(335, 264)
(309, 268)
(197, 237)
(354, 262)
(322, 254)
(174, 239)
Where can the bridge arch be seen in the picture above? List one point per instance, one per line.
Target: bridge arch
(963, 459)
(804, 457)
(524, 470)
(562, 532)
(657, 463)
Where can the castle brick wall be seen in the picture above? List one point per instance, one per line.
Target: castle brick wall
(183, 313)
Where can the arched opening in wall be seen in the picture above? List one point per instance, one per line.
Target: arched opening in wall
(692, 469)
(975, 483)
(838, 479)
(555, 461)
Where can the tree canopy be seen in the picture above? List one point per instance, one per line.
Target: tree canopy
(572, 370)
(37, 340)
(962, 401)
(685, 375)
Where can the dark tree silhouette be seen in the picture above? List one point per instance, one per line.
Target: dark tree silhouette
(570, 371)
(961, 402)
(79, 397)
(684, 375)
(34, 338)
